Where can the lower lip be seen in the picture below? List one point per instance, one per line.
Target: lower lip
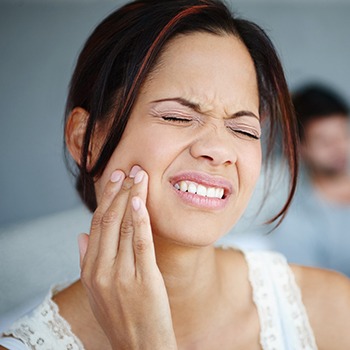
(201, 201)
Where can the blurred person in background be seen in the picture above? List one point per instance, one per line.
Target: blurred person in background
(316, 230)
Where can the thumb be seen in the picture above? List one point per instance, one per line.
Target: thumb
(83, 241)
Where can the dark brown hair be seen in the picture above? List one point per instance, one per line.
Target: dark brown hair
(316, 101)
(124, 48)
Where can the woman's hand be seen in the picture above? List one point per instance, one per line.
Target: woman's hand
(118, 268)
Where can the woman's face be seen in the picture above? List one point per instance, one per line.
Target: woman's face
(195, 130)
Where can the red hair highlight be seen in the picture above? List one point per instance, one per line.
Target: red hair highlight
(163, 32)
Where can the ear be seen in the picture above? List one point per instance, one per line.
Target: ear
(75, 132)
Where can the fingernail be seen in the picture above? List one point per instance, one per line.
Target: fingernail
(116, 176)
(139, 176)
(136, 203)
(134, 170)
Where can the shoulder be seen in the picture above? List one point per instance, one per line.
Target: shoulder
(326, 296)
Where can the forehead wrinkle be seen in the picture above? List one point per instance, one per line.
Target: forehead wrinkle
(202, 103)
(210, 111)
(206, 105)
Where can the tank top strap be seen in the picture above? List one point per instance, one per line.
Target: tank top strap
(284, 323)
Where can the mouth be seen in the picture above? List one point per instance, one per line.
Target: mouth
(202, 190)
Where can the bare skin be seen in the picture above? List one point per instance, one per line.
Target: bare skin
(230, 322)
(326, 296)
(218, 309)
(327, 310)
(151, 277)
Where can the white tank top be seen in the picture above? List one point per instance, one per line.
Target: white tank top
(283, 320)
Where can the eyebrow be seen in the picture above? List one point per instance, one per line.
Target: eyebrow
(197, 108)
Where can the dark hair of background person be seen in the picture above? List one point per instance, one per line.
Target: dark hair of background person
(125, 47)
(315, 101)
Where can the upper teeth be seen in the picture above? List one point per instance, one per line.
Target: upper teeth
(192, 187)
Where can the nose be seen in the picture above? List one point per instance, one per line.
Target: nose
(214, 146)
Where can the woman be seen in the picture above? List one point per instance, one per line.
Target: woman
(164, 122)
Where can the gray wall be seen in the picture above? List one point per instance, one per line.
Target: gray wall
(39, 43)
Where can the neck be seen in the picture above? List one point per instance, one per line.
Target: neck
(191, 277)
(207, 288)
(183, 266)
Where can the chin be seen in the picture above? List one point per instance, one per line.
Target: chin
(190, 226)
(200, 233)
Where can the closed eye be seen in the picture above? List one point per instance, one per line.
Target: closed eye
(245, 133)
(176, 119)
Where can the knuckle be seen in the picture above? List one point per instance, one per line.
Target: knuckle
(126, 229)
(96, 219)
(109, 217)
(141, 245)
(100, 280)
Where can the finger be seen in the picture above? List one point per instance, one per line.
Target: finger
(111, 226)
(83, 240)
(145, 258)
(126, 259)
(112, 188)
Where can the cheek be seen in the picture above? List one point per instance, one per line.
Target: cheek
(127, 154)
(250, 165)
(141, 147)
